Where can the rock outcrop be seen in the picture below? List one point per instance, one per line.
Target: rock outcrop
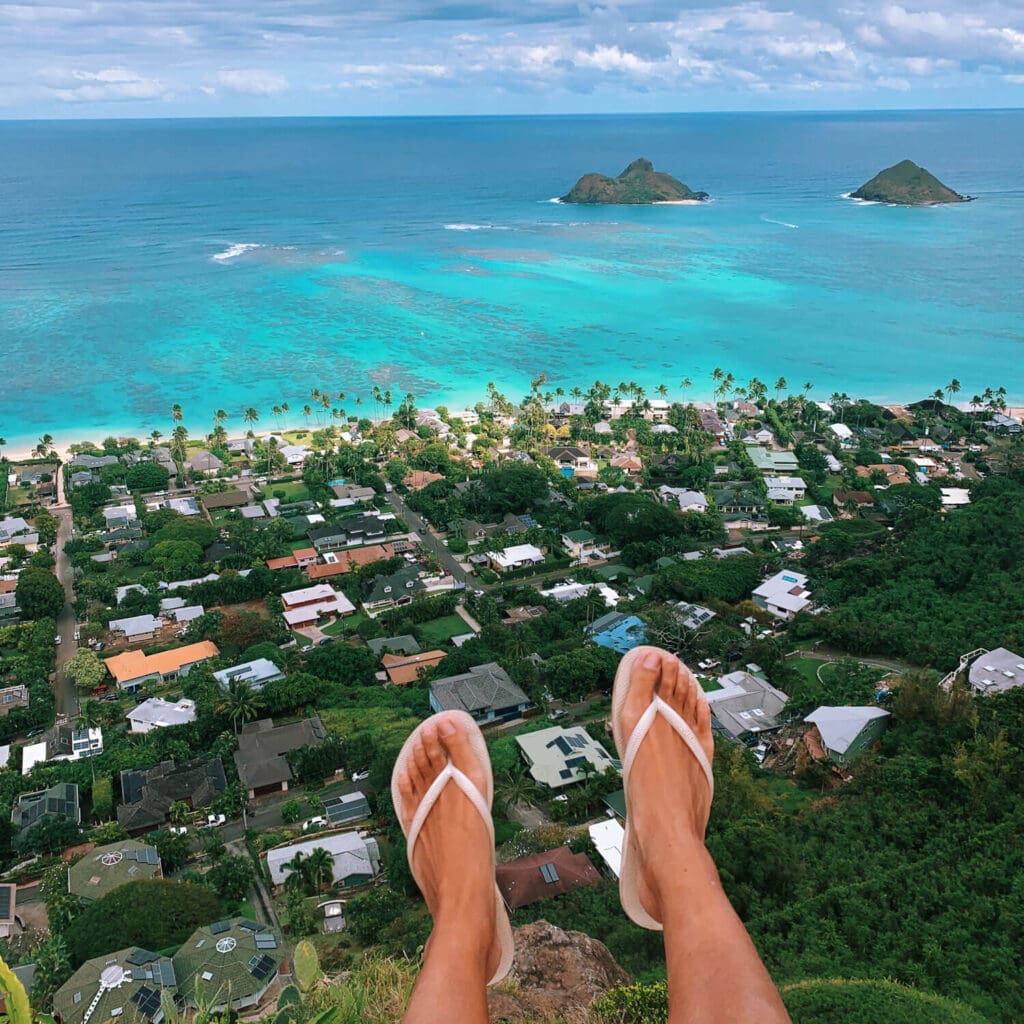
(556, 975)
(906, 184)
(638, 184)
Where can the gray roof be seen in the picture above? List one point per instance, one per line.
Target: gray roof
(256, 673)
(61, 799)
(482, 689)
(262, 745)
(126, 985)
(94, 461)
(693, 615)
(394, 645)
(350, 852)
(840, 726)
(148, 793)
(996, 671)
(347, 807)
(405, 582)
(746, 704)
(136, 625)
(106, 868)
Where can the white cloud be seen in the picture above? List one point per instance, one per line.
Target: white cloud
(252, 81)
(116, 83)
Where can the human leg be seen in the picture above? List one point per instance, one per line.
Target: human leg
(453, 861)
(715, 975)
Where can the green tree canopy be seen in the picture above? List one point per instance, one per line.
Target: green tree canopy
(39, 594)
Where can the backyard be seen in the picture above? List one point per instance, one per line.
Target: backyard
(438, 632)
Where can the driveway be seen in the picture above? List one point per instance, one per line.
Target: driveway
(427, 538)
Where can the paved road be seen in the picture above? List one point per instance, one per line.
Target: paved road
(65, 695)
(427, 539)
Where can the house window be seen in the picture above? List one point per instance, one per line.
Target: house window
(8, 698)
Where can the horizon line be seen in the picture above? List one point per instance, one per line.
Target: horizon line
(35, 118)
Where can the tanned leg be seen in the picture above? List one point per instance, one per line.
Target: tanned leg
(714, 973)
(453, 859)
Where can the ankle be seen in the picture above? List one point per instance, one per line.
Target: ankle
(458, 934)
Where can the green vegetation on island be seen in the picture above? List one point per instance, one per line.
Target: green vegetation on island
(637, 185)
(906, 184)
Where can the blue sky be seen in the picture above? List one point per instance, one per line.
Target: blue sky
(170, 58)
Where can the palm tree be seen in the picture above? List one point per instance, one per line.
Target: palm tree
(319, 867)
(178, 444)
(952, 388)
(176, 414)
(44, 447)
(298, 873)
(780, 385)
(307, 411)
(219, 417)
(250, 416)
(3, 441)
(154, 436)
(240, 703)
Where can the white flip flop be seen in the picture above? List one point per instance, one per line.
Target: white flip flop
(629, 891)
(481, 801)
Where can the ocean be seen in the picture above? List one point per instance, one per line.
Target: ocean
(242, 263)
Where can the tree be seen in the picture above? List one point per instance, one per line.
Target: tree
(240, 703)
(174, 849)
(53, 968)
(86, 669)
(39, 594)
(320, 868)
(291, 811)
(369, 914)
(298, 878)
(176, 558)
(231, 878)
(152, 913)
(146, 476)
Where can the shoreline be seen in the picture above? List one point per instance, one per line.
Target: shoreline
(18, 449)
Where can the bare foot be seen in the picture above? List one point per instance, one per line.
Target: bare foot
(669, 799)
(453, 858)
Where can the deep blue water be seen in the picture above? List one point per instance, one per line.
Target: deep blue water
(424, 255)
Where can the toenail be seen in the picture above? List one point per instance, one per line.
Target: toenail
(652, 660)
(447, 727)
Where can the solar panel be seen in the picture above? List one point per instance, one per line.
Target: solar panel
(5, 901)
(266, 941)
(148, 856)
(249, 926)
(147, 1000)
(263, 968)
(548, 873)
(220, 926)
(163, 972)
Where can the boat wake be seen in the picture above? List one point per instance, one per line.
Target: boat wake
(781, 223)
(234, 250)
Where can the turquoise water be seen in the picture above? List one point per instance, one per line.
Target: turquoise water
(228, 264)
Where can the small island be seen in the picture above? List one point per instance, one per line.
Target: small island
(637, 185)
(906, 184)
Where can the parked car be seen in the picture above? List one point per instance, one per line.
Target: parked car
(78, 636)
(99, 646)
(56, 639)
(214, 820)
(318, 822)
(33, 732)
(178, 830)
(556, 716)
(108, 698)
(360, 776)
(97, 690)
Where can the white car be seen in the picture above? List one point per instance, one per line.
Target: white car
(78, 636)
(178, 830)
(360, 776)
(318, 822)
(56, 639)
(213, 820)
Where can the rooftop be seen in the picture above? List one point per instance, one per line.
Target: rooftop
(134, 664)
(544, 875)
(482, 689)
(125, 985)
(106, 868)
(558, 757)
(262, 745)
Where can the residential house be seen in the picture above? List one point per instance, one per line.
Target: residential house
(784, 595)
(848, 731)
(631, 465)
(106, 868)
(404, 644)
(518, 556)
(120, 593)
(12, 528)
(293, 454)
(8, 595)
(348, 532)
(895, 474)
(711, 423)
(816, 514)
(609, 839)
(770, 462)
(133, 668)
(556, 757)
(225, 500)
(344, 562)
(148, 793)
(256, 674)
(420, 478)
(86, 742)
(120, 515)
(351, 494)
(955, 497)
(582, 546)
(228, 965)
(355, 858)
(842, 432)
(686, 499)
(618, 631)
(303, 558)
(132, 984)
(572, 457)
(856, 499)
(746, 705)
(85, 461)
(572, 591)
(346, 808)
(392, 591)
(260, 758)
(157, 713)
(693, 616)
(541, 876)
(136, 628)
(58, 801)
(306, 606)
(403, 669)
(784, 490)
(486, 692)
(996, 671)
(204, 462)
(12, 697)
(737, 497)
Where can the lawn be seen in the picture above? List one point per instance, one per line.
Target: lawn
(294, 491)
(807, 667)
(439, 631)
(709, 685)
(788, 796)
(349, 624)
(3, 486)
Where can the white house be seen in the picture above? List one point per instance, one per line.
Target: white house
(571, 591)
(519, 556)
(842, 431)
(256, 673)
(157, 713)
(303, 607)
(784, 595)
(136, 627)
(608, 838)
(687, 500)
(784, 490)
(86, 743)
(952, 497)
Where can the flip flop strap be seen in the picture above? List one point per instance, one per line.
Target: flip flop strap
(688, 736)
(447, 774)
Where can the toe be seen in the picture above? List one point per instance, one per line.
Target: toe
(704, 733)
(455, 738)
(689, 687)
(420, 759)
(644, 678)
(432, 747)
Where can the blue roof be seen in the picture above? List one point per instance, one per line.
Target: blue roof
(622, 634)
